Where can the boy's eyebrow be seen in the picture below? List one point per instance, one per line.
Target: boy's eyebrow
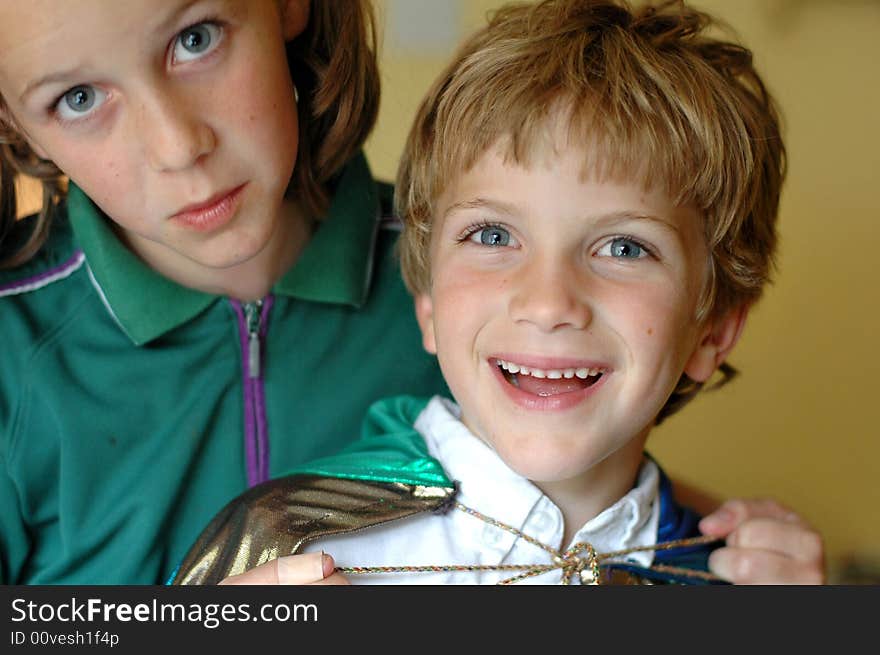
(480, 203)
(610, 217)
(70, 73)
(613, 217)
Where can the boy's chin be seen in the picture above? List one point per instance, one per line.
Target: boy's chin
(543, 467)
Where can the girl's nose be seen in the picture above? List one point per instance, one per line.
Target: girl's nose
(174, 137)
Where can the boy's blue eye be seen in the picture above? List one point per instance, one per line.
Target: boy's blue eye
(623, 248)
(492, 236)
(196, 41)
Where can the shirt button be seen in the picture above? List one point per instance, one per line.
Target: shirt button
(491, 536)
(543, 521)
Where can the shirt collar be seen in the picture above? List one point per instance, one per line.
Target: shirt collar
(489, 485)
(631, 522)
(144, 303)
(334, 267)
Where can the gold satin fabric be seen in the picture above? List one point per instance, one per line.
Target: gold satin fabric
(278, 517)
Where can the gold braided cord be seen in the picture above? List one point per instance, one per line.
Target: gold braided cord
(580, 560)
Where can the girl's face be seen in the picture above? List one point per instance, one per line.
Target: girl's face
(177, 117)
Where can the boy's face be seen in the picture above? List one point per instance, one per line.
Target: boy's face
(590, 286)
(159, 107)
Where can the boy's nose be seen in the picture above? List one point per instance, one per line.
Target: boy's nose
(549, 296)
(173, 138)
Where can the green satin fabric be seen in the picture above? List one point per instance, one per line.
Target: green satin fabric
(390, 450)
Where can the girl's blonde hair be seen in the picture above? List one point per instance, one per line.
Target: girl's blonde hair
(333, 65)
(655, 96)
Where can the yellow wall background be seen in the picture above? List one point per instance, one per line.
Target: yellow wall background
(800, 422)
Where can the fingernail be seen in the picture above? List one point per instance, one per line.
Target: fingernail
(328, 564)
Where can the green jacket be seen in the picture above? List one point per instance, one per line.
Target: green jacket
(388, 475)
(132, 409)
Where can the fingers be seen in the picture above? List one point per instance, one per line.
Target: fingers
(750, 566)
(302, 569)
(767, 543)
(305, 569)
(795, 540)
(333, 579)
(733, 513)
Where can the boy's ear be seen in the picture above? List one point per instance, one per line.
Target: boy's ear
(425, 317)
(294, 17)
(718, 339)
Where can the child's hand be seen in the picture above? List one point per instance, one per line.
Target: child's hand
(767, 543)
(308, 568)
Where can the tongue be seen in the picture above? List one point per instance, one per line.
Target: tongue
(546, 387)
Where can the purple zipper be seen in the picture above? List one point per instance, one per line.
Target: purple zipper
(256, 432)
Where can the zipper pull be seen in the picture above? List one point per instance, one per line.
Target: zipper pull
(252, 311)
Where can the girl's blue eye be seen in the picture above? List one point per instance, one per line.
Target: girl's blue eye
(491, 236)
(196, 41)
(80, 99)
(623, 248)
(79, 102)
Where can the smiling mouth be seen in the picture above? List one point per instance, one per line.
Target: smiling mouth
(548, 382)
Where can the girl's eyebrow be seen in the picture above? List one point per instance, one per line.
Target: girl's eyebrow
(51, 78)
(174, 16)
(68, 74)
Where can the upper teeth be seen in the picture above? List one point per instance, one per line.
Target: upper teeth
(551, 373)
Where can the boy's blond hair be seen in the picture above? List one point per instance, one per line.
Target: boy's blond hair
(333, 65)
(660, 101)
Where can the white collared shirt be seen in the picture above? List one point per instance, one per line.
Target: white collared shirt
(488, 486)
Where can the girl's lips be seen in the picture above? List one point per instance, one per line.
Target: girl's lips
(554, 402)
(213, 213)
